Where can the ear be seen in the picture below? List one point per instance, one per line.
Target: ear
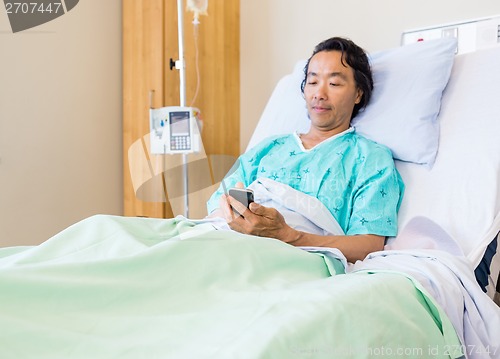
(359, 96)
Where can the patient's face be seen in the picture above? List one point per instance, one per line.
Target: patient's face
(330, 92)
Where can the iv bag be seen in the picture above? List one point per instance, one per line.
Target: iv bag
(199, 7)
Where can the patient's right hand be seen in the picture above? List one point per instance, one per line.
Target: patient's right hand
(261, 221)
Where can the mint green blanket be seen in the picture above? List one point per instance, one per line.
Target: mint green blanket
(116, 287)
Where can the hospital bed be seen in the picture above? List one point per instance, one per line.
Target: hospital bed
(117, 287)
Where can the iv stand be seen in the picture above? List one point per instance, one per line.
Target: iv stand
(181, 66)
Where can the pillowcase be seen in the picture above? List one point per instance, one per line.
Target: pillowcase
(406, 99)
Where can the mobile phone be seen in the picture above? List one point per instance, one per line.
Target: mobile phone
(242, 195)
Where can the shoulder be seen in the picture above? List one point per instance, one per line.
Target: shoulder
(270, 142)
(370, 148)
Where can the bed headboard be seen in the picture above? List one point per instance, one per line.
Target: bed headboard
(472, 34)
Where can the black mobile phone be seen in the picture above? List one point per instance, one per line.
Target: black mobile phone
(243, 195)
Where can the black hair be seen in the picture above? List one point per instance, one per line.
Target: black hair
(356, 58)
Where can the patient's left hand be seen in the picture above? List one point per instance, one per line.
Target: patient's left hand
(260, 221)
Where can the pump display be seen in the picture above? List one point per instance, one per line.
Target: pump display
(174, 129)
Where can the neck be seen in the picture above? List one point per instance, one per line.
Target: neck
(316, 136)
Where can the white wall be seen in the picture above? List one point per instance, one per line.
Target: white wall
(275, 34)
(60, 122)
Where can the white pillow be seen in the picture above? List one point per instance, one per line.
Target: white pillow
(408, 86)
(461, 193)
(406, 99)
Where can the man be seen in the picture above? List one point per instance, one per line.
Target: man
(354, 177)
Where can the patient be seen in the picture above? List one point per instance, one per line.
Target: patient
(355, 178)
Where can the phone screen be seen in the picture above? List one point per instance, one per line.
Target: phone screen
(244, 196)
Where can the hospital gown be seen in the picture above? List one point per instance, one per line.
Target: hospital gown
(355, 178)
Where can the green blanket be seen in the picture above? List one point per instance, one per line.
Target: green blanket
(116, 287)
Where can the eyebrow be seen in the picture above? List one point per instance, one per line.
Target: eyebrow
(333, 74)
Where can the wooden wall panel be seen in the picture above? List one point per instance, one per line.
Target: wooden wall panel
(143, 38)
(219, 63)
(146, 24)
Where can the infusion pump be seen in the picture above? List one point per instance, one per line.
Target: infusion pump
(174, 129)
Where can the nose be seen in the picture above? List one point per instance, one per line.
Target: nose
(320, 93)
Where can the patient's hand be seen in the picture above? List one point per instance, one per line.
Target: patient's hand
(260, 221)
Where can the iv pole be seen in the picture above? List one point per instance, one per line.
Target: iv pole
(181, 66)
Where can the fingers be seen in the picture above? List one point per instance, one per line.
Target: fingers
(238, 207)
(257, 208)
(258, 220)
(231, 208)
(239, 185)
(225, 208)
(262, 211)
